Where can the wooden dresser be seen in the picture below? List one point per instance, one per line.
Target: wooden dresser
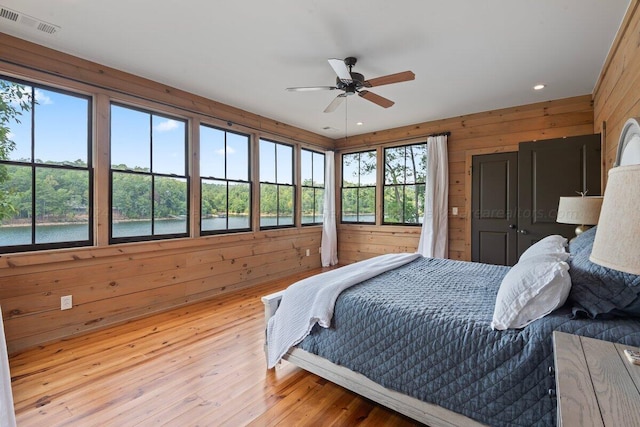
(595, 383)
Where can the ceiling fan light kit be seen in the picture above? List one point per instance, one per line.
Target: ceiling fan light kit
(351, 83)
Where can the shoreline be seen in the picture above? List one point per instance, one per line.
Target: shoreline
(65, 223)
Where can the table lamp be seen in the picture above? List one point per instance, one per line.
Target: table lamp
(617, 240)
(580, 210)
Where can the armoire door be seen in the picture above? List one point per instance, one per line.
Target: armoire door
(550, 169)
(494, 204)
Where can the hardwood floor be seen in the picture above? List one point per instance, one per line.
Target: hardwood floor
(198, 365)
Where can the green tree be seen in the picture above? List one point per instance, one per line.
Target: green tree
(405, 173)
(404, 177)
(14, 100)
(131, 195)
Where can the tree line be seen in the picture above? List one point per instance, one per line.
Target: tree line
(63, 195)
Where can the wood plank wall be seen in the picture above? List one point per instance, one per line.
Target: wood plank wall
(617, 93)
(481, 133)
(115, 283)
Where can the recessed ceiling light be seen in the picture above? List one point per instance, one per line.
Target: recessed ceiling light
(359, 124)
(539, 87)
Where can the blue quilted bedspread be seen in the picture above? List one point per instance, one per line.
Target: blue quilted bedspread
(423, 329)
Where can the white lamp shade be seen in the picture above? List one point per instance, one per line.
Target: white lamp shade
(579, 210)
(617, 241)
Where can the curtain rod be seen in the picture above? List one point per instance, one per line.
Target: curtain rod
(409, 138)
(447, 133)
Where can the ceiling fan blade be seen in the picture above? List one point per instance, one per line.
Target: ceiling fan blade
(391, 78)
(376, 99)
(310, 88)
(341, 69)
(335, 103)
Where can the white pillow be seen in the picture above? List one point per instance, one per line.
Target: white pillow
(533, 288)
(554, 244)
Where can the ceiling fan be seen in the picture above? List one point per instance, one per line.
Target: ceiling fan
(351, 82)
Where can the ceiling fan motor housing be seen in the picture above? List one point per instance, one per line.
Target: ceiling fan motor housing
(357, 82)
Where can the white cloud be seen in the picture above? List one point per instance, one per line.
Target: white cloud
(42, 98)
(230, 150)
(167, 125)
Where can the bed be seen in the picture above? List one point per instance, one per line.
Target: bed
(422, 337)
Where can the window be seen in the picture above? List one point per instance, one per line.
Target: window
(277, 201)
(225, 185)
(149, 185)
(312, 173)
(45, 168)
(405, 170)
(359, 187)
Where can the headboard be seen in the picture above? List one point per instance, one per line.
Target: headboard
(629, 144)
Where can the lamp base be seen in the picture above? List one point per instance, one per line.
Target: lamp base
(581, 229)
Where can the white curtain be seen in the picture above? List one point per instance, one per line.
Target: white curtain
(434, 237)
(7, 416)
(329, 245)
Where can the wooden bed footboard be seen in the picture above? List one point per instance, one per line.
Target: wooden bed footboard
(427, 413)
(271, 303)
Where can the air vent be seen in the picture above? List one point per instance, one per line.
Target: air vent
(9, 14)
(47, 28)
(28, 21)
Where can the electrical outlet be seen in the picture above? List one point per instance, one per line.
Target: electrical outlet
(454, 211)
(308, 252)
(66, 302)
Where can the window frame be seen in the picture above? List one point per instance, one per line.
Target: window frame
(150, 237)
(358, 188)
(34, 166)
(403, 185)
(293, 185)
(313, 188)
(227, 230)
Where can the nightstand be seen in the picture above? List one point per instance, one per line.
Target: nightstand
(595, 383)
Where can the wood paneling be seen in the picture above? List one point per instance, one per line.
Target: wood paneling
(359, 242)
(488, 132)
(115, 284)
(617, 94)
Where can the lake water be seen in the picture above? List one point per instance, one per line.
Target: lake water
(11, 236)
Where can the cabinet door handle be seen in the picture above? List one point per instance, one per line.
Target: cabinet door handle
(513, 226)
(523, 232)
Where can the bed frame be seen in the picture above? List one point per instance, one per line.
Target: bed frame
(426, 413)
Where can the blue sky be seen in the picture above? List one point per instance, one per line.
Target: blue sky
(61, 129)
(131, 141)
(56, 141)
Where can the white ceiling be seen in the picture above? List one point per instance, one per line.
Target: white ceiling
(468, 55)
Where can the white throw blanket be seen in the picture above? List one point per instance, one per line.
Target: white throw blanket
(7, 416)
(312, 300)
